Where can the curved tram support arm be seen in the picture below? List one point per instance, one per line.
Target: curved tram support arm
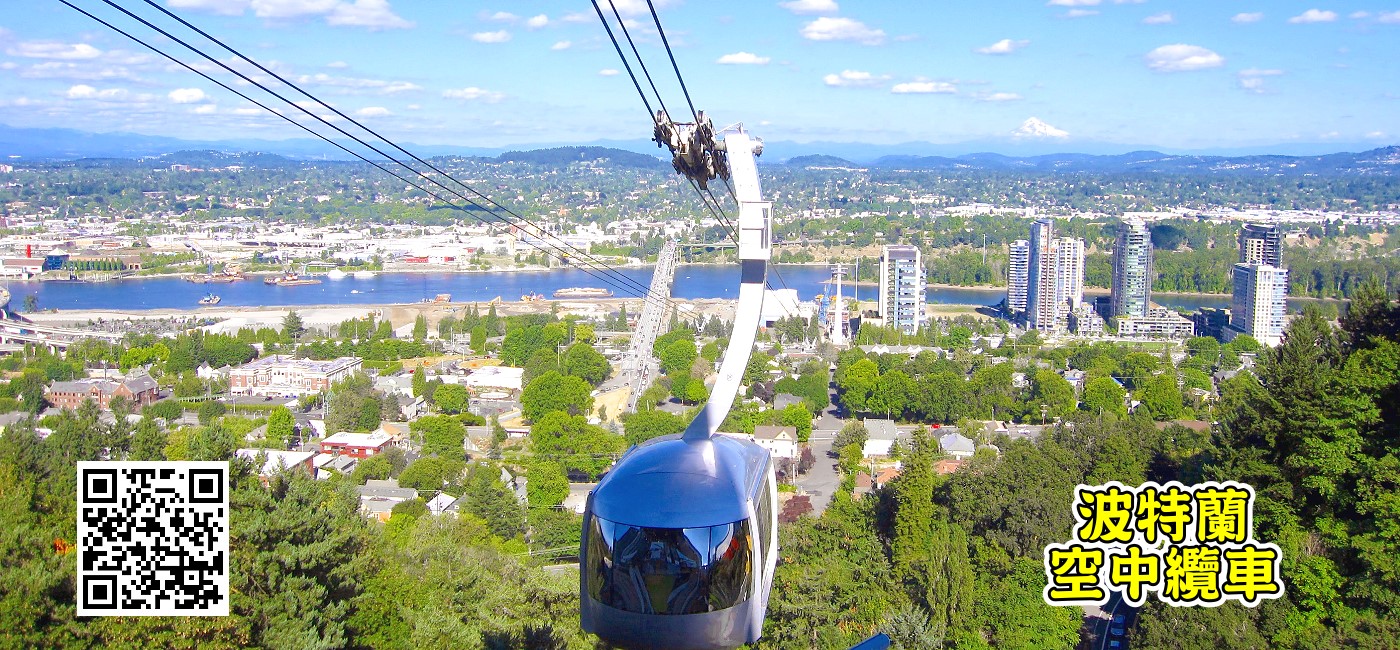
(755, 249)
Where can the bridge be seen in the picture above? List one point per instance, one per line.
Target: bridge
(14, 334)
(640, 365)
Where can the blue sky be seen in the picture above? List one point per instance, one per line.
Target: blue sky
(1181, 75)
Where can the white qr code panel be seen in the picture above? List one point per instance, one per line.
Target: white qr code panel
(153, 538)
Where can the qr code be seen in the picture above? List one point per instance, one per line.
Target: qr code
(153, 538)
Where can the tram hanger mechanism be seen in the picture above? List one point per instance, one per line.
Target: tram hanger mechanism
(680, 538)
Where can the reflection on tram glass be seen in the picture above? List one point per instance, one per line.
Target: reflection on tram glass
(669, 570)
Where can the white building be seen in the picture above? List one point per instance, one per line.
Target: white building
(1040, 279)
(1260, 303)
(1017, 276)
(1055, 281)
(287, 376)
(495, 377)
(957, 445)
(1132, 271)
(781, 442)
(882, 434)
(903, 288)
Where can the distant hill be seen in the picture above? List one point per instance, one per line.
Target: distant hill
(819, 160)
(68, 144)
(559, 156)
(1383, 161)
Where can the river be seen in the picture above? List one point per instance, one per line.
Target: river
(692, 281)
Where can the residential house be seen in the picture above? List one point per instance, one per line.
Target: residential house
(780, 441)
(957, 446)
(882, 435)
(358, 445)
(138, 388)
(275, 460)
(378, 498)
(441, 503)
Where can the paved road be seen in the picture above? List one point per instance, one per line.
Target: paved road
(1106, 631)
(822, 480)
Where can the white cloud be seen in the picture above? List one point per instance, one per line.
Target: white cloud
(842, 29)
(1036, 128)
(1164, 18)
(854, 78)
(1389, 17)
(53, 50)
(374, 14)
(79, 70)
(536, 22)
(1079, 13)
(205, 109)
(224, 7)
(743, 58)
(472, 93)
(248, 112)
(637, 7)
(503, 17)
(187, 96)
(561, 45)
(810, 6)
(1375, 135)
(84, 91)
(1248, 17)
(500, 36)
(1003, 46)
(608, 72)
(999, 97)
(1181, 57)
(1072, 3)
(291, 8)
(357, 84)
(1252, 79)
(373, 111)
(337, 65)
(1358, 15)
(1314, 16)
(923, 87)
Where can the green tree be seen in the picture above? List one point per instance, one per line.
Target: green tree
(280, 425)
(553, 392)
(420, 328)
(584, 362)
(292, 327)
(797, 415)
(375, 467)
(1161, 396)
(856, 385)
(1103, 395)
(1053, 391)
(572, 442)
(677, 356)
(548, 484)
(440, 435)
(452, 398)
(433, 473)
(494, 502)
(646, 424)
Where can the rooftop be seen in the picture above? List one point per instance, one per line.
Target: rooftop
(350, 439)
(311, 365)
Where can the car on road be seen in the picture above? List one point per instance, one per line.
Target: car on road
(1115, 644)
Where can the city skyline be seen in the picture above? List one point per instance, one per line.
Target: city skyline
(1072, 73)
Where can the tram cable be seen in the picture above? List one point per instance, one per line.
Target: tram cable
(293, 86)
(591, 266)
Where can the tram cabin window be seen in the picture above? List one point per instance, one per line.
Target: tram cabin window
(669, 570)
